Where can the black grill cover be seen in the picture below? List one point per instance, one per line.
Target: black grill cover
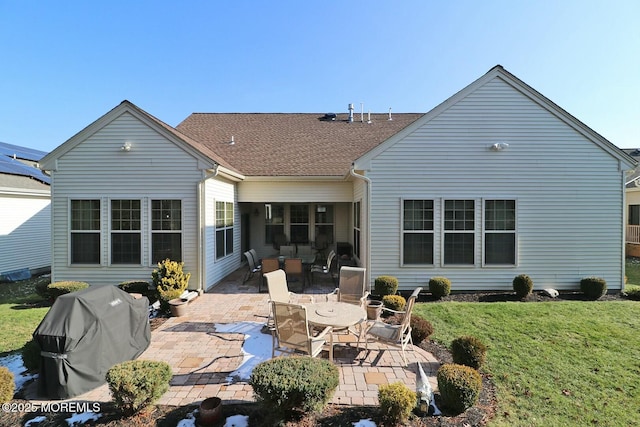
(84, 334)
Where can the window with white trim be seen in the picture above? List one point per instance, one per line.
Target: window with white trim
(299, 226)
(499, 232)
(224, 229)
(85, 232)
(459, 229)
(417, 232)
(166, 230)
(356, 228)
(125, 232)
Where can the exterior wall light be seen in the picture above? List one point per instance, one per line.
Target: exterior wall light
(126, 146)
(499, 146)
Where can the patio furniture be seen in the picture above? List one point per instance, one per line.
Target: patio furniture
(268, 265)
(256, 259)
(291, 332)
(279, 291)
(340, 316)
(396, 335)
(294, 271)
(304, 251)
(352, 286)
(287, 251)
(279, 240)
(323, 268)
(252, 267)
(321, 244)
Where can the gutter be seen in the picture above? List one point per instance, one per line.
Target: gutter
(367, 181)
(201, 221)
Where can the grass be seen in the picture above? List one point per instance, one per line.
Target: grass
(556, 363)
(21, 312)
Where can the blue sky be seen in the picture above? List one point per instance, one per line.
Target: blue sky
(64, 64)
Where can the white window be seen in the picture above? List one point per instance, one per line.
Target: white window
(459, 229)
(500, 232)
(85, 232)
(166, 230)
(224, 229)
(417, 232)
(125, 232)
(356, 228)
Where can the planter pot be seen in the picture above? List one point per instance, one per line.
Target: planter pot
(374, 309)
(210, 411)
(178, 307)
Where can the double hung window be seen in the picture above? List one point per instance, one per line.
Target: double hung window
(125, 232)
(166, 230)
(417, 232)
(85, 232)
(224, 229)
(499, 232)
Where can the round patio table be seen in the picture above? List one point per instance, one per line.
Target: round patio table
(338, 315)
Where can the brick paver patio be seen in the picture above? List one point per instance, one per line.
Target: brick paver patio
(202, 358)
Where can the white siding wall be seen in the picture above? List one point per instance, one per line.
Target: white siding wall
(295, 192)
(217, 269)
(25, 231)
(568, 192)
(97, 168)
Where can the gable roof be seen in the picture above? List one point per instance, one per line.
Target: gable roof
(499, 72)
(185, 142)
(291, 144)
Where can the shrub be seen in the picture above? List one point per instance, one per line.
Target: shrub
(385, 285)
(522, 285)
(439, 287)
(459, 386)
(396, 402)
(421, 329)
(41, 288)
(632, 292)
(31, 356)
(61, 288)
(468, 351)
(135, 287)
(394, 302)
(294, 383)
(170, 281)
(137, 384)
(593, 287)
(7, 386)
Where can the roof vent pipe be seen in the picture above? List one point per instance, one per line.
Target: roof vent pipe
(389, 114)
(350, 113)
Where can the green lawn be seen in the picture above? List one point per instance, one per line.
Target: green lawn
(19, 316)
(553, 364)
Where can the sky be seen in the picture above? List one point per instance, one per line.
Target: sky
(63, 64)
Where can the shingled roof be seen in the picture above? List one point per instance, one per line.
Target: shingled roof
(291, 144)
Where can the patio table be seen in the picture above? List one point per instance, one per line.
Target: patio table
(338, 315)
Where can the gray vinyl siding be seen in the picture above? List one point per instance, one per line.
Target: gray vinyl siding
(218, 269)
(97, 168)
(568, 192)
(25, 231)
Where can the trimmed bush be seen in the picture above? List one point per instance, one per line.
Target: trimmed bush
(439, 287)
(522, 285)
(394, 302)
(468, 351)
(287, 384)
(170, 281)
(7, 386)
(137, 384)
(41, 288)
(66, 287)
(421, 329)
(396, 402)
(31, 356)
(135, 287)
(593, 287)
(385, 285)
(459, 386)
(632, 292)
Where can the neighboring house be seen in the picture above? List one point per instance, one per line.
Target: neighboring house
(488, 185)
(632, 207)
(25, 214)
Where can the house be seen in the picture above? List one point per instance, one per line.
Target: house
(632, 207)
(487, 185)
(25, 216)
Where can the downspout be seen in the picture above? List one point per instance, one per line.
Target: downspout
(624, 230)
(201, 228)
(367, 181)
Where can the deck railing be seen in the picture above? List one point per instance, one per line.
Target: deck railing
(633, 234)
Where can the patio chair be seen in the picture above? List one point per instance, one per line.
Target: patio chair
(294, 271)
(304, 251)
(268, 265)
(396, 335)
(279, 291)
(253, 268)
(288, 251)
(352, 287)
(256, 259)
(323, 268)
(292, 334)
(321, 244)
(279, 240)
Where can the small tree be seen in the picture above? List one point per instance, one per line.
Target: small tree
(170, 281)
